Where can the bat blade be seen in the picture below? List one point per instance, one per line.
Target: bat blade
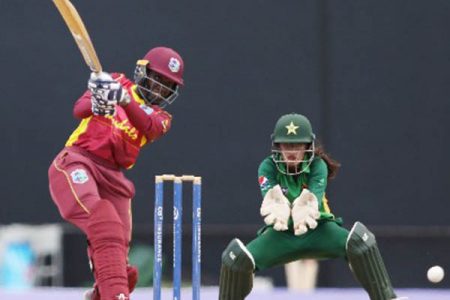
(79, 33)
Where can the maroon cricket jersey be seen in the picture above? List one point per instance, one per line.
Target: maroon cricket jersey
(119, 138)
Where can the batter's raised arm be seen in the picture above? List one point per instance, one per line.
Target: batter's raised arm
(151, 121)
(101, 97)
(82, 108)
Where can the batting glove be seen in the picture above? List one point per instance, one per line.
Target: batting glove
(104, 87)
(102, 107)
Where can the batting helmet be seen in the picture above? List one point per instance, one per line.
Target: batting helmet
(292, 129)
(165, 62)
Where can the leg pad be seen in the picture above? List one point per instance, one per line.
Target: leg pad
(367, 264)
(236, 274)
(108, 251)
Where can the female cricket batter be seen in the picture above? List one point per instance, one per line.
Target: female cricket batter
(299, 222)
(118, 117)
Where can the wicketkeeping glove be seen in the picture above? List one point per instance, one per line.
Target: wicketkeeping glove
(276, 209)
(305, 212)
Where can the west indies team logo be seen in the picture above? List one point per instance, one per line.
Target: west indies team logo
(263, 182)
(174, 65)
(79, 176)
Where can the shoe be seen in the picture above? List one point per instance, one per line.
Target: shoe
(91, 295)
(401, 298)
(88, 295)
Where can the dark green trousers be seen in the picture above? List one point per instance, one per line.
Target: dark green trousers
(272, 248)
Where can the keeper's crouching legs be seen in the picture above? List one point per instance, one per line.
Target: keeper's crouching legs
(236, 274)
(367, 264)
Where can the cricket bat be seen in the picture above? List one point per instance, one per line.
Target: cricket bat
(79, 33)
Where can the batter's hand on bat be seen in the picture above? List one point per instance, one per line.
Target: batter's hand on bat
(106, 90)
(305, 212)
(100, 108)
(100, 85)
(276, 209)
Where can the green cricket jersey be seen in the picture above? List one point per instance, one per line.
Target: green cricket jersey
(271, 247)
(314, 178)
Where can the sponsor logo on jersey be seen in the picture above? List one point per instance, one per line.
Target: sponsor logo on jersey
(79, 176)
(263, 182)
(174, 65)
(124, 126)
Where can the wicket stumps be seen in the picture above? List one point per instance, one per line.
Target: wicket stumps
(177, 233)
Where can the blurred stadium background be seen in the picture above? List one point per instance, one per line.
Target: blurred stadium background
(373, 77)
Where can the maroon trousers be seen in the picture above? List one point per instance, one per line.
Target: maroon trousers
(87, 189)
(75, 195)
